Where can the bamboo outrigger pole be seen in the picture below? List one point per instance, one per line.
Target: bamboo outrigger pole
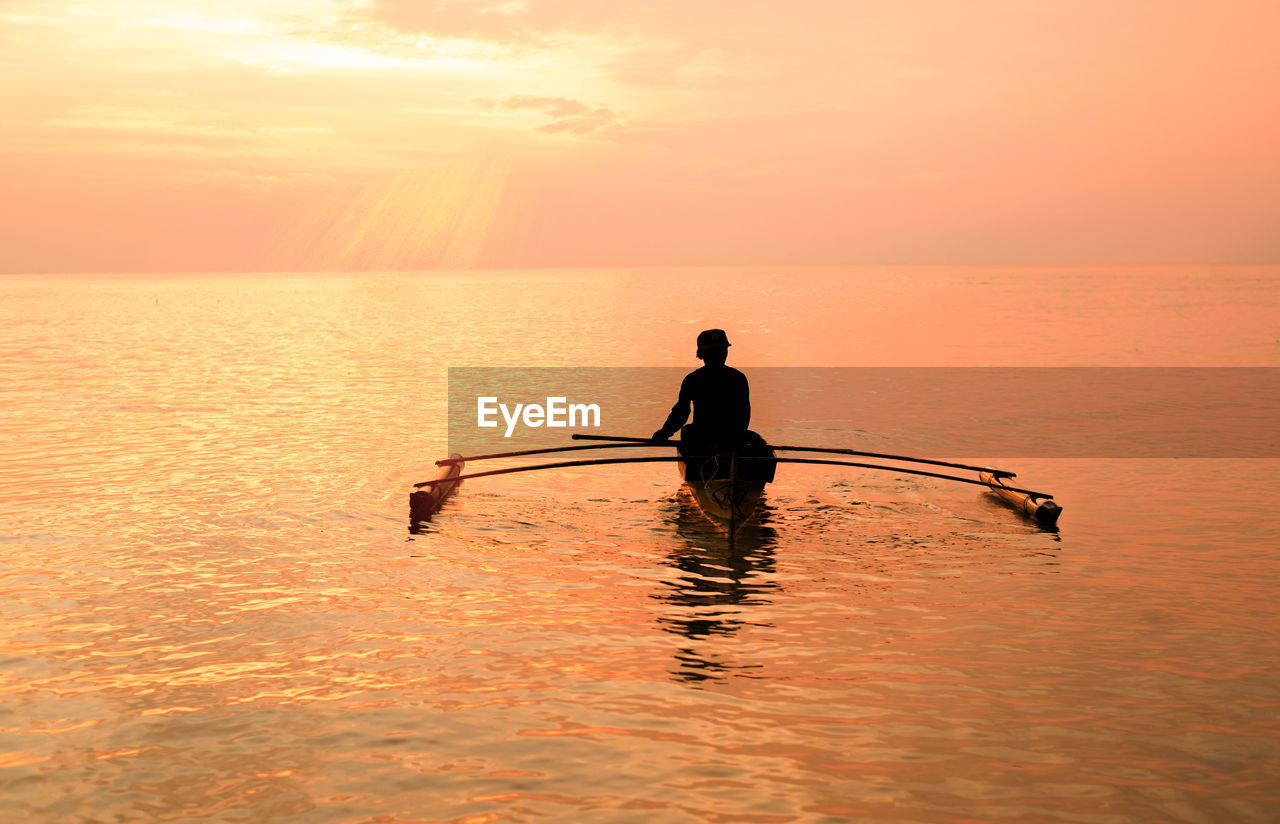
(904, 471)
(604, 461)
(998, 473)
(559, 465)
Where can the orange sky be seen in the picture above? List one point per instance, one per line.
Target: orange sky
(149, 135)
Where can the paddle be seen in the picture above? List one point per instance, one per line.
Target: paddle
(451, 461)
(998, 473)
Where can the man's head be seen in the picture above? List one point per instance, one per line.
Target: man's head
(713, 346)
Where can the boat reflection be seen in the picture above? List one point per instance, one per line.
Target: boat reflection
(714, 585)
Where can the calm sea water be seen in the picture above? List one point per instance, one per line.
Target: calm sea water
(211, 608)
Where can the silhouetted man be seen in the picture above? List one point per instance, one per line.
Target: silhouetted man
(719, 396)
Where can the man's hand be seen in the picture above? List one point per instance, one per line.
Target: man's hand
(659, 436)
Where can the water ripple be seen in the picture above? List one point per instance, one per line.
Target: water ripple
(213, 609)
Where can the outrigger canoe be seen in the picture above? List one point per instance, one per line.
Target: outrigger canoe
(728, 487)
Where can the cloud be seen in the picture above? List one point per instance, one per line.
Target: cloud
(568, 115)
(520, 21)
(655, 43)
(553, 106)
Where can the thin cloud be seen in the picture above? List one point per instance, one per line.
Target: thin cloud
(552, 106)
(569, 116)
(516, 21)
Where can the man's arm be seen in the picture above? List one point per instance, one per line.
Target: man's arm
(679, 414)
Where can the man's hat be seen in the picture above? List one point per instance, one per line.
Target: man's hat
(710, 340)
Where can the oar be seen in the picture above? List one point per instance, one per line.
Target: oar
(560, 465)
(998, 473)
(578, 436)
(449, 461)
(900, 469)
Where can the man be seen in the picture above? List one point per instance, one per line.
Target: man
(719, 396)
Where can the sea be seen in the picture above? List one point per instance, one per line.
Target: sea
(213, 607)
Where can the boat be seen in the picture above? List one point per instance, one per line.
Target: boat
(728, 487)
(424, 502)
(1042, 509)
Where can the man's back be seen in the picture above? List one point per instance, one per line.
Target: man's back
(720, 398)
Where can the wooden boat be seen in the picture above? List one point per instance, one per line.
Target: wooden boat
(1044, 510)
(424, 502)
(727, 481)
(728, 487)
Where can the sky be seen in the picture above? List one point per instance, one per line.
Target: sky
(267, 135)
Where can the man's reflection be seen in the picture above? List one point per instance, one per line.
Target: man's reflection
(714, 586)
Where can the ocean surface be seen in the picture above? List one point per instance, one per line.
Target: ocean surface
(212, 607)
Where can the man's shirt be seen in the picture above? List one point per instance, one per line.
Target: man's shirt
(720, 399)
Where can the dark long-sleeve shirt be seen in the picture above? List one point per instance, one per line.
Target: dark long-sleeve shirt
(720, 399)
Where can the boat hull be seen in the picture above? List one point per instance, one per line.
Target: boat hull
(733, 502)
(1043, 510)
(729, 486)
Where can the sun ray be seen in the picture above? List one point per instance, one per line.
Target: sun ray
(410, 220)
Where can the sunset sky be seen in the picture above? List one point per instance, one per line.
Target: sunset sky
(153, 135)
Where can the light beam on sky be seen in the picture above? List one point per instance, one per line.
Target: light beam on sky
(144, 136)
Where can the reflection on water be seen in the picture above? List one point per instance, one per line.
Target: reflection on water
(209, 607)
(717, 578)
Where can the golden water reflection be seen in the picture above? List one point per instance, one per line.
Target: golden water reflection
(715, 582)
(210, 608)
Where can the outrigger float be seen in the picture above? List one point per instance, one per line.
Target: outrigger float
(728, 486)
